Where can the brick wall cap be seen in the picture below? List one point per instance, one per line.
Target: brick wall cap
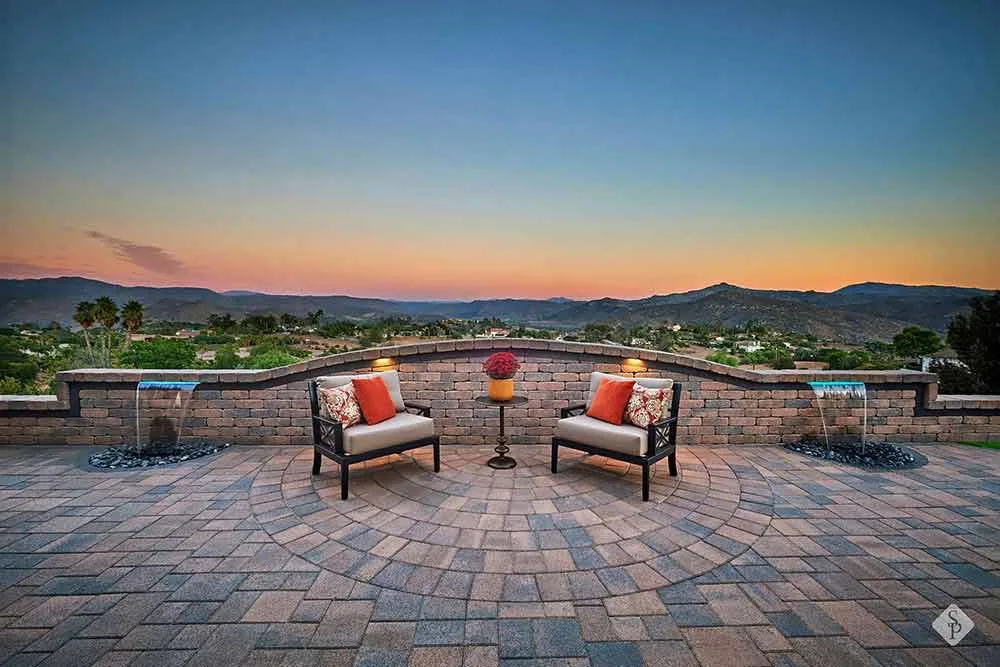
(335, 361)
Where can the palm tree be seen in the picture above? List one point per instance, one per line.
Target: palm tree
(84, 316)
(131, 319)
(106, 312)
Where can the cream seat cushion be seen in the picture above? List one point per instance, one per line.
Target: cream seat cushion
(404, 427)
(391, 379)
(626, 439)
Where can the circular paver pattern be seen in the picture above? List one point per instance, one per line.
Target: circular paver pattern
(521, 535)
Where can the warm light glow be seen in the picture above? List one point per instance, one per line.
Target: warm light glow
(382, 362)
(633, 365)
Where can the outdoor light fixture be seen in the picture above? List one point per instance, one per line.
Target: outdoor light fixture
(633, 365)
(382, 362)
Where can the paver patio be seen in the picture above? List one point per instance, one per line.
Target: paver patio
(753, 556)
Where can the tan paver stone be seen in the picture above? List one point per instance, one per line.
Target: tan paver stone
(667, 654)
(767, 638)
(862, 625)
(629, 628)
(898, 594)
(635, 604)
(481, 656)
(436, 656)
(731, 605)
(724, 646)
(826, 651)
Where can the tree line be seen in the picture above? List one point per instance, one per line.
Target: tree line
(104, 313)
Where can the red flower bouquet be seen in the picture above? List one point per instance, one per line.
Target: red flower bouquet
(501, 365)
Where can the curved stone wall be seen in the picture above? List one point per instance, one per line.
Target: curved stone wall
(720, 405)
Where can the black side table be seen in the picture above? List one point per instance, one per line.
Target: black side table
(501, 461)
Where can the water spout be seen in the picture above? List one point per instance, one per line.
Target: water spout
(844, 390)
(159, 425)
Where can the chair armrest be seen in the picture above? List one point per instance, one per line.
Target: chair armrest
(572, 410)
(418, 407)
(329, 433)
(661, 433)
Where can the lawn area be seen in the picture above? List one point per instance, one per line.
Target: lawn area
(982, 443)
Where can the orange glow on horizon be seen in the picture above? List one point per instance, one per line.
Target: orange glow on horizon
(469, 268)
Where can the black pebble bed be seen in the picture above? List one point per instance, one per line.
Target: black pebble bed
(877, 455)
(124, 457)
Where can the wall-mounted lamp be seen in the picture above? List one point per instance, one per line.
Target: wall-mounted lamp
(633, 366)
(383, 363)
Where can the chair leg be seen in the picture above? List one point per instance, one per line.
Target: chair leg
(317, 461)
(343, 481)
(645, 481)
(555, 457)
(672, 463)
(437, 457)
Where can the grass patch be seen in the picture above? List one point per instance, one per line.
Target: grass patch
(982, 443)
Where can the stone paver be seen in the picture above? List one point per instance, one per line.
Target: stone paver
(752, 556)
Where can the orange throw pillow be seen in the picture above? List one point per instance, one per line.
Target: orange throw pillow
(609, 401)
(373, 397)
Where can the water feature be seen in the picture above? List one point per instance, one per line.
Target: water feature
(844, 391)
(847, 448)
(161, 408)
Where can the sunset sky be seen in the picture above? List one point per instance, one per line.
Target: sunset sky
(467, 149)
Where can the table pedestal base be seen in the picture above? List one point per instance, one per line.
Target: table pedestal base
(501, 462)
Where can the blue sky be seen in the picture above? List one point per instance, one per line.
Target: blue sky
(777, 144)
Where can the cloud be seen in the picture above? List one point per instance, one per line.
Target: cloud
(148, 257)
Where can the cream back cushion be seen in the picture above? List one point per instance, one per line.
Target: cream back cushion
(650, 383)
(391, 379)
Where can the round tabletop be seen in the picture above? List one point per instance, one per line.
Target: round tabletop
(515, 400)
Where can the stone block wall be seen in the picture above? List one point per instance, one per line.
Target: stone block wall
(719, 406)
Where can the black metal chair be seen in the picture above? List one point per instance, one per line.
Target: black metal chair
(658, 442)
(409, 429)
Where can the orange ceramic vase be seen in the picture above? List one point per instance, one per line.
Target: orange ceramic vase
(501, 390)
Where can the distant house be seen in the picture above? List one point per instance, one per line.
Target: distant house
(187, 333)
(139, 337)
(676, 327)
(206, 355)
(749, 346)
(496, 332)
(243, 352)
(945, 356)
(639, 342)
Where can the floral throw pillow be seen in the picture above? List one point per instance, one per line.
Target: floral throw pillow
(340, 404)
(646, 405)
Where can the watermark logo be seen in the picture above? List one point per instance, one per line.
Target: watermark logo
(953, 624)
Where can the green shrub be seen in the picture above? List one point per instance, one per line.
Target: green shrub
(159, 353)
(721, 357)
(782, 362)
(14, 386)
(213, 339)
(270, 359)
(226, 358)
(14, 363)
(954, 379)
(915, 342)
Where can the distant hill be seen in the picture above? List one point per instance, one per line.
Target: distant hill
(866, 311)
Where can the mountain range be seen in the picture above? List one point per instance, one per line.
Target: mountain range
(865, 311)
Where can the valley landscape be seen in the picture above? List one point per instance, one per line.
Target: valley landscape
(852, 314)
